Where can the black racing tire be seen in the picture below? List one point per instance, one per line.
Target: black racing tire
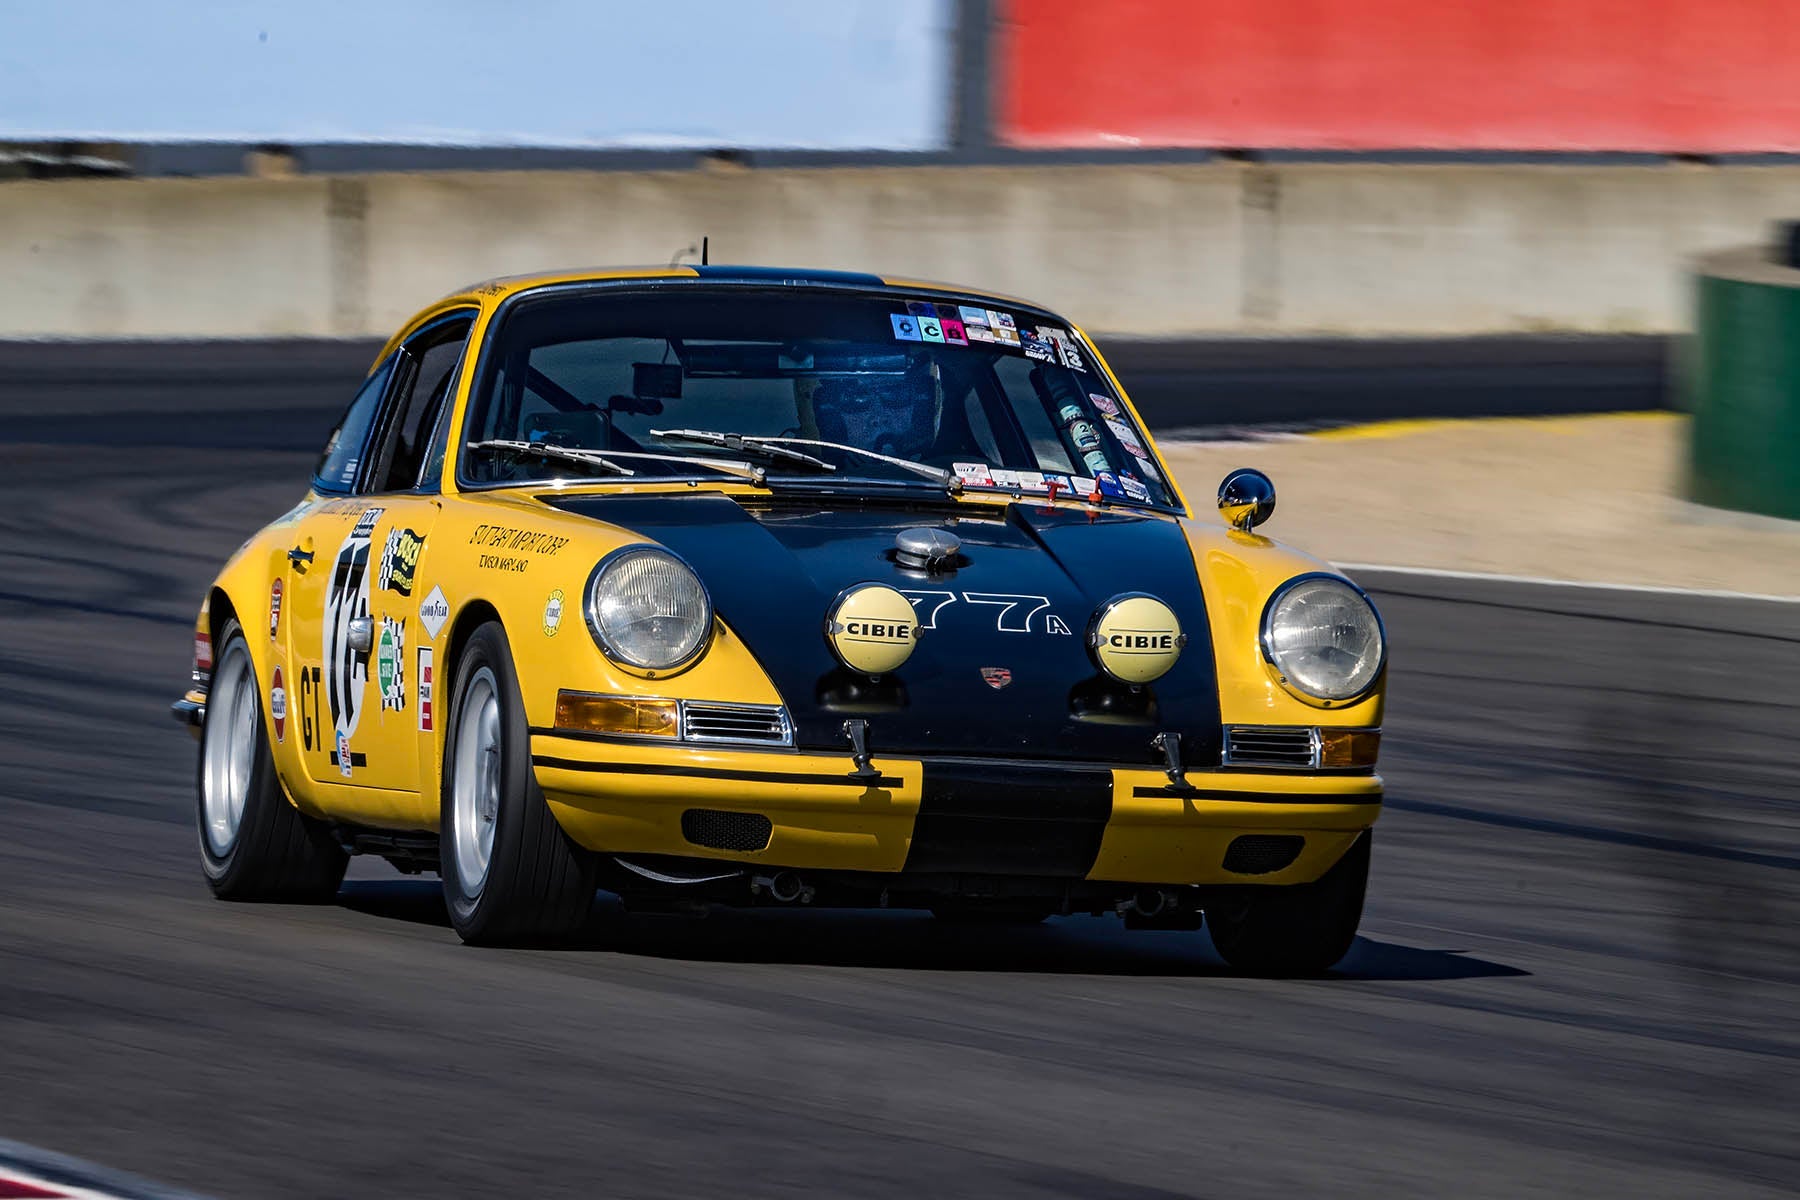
(262, 848)
(1296, 930)
(534, 885)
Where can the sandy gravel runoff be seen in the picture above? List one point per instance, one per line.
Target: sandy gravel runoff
(1590, 499)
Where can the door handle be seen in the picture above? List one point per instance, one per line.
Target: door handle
(362, 634)
(299, 557)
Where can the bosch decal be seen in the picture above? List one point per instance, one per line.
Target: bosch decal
(399, 560)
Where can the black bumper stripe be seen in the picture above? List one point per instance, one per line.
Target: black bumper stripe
(618, 768)
(1190, 793)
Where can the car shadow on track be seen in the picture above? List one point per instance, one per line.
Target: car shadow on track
(914, 941)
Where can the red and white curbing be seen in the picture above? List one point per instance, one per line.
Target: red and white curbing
(27, 1173)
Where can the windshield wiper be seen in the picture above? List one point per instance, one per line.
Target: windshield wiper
(603, 458)
(948, 478)
(739, 441)
(778, 447)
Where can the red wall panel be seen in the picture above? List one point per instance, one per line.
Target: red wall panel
(1703, 76)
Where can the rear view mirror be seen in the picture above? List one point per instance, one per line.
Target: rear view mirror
(656, 381)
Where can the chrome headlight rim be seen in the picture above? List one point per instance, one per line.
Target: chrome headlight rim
(614, 655)
(1265, 639)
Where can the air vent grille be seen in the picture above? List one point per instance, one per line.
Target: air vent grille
(1271, 746)
(754, 724)
(720, 830)
(1262, 853)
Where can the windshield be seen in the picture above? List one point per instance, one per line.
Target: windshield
(1003, 399)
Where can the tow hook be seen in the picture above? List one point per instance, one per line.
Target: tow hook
(857, 731)
(1170, 745)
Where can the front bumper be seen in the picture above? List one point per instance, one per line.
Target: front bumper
(951, 815)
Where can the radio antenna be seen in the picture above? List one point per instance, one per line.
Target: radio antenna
(703, 241)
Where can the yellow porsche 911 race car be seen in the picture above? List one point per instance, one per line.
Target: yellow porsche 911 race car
(736, 585)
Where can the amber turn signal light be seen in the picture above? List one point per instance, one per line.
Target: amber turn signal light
(1349, 747)
(617, 715)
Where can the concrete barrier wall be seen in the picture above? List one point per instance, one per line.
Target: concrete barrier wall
(1129, 250)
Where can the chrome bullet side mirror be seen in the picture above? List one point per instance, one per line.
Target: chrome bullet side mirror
(1246, 498)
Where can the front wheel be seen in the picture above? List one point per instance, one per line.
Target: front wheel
(510, 872)
(1296, 930)
(254, 844)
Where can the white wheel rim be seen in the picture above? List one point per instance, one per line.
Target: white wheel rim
(230, 749)
(475, 781)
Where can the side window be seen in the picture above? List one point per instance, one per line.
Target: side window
(428, 365)
(343, 455)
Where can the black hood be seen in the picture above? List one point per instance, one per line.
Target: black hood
(1019, 602)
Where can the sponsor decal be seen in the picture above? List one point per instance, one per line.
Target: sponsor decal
(973, 474)
(553, 613)
(922, 308)
(1108, 484)
(906, 328)
(1136, 638)
(1067, 350)
(979, 333)
(434, 610)
(525, 541)
(1038, 348)
(425, 681)
(1149, 469)
(872, 628)
(972, 317)
(953, 332)
(931, 329)
(1096, 461)
(390, 664)
(278, 704)
(1126, 437)
(1004, 478)
(202, 651)
(347, 600)
(1058, 483)
(399, 559)
(343, 757)
(996, 677)
(1081, 485)
(1084, 435)
(1031, 481)
(1134, 487)
(1105, 404)
(1000, 320)
(274, 608)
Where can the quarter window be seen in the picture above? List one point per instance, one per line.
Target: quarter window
(344, 455)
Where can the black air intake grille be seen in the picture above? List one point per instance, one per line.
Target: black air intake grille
(1270, 746)
(720, 830)
(1262, 853)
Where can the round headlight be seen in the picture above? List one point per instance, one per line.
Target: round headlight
(648, 610)
(1322, 634)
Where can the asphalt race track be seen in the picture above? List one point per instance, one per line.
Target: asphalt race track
(1579, 972)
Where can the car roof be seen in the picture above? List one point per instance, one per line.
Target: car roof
(492, 291)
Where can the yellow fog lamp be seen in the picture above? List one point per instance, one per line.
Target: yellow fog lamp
(1135, 638)
(1341, 748)
(872, 629)
(625, 716)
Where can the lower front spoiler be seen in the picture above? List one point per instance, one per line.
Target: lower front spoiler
(949, 818)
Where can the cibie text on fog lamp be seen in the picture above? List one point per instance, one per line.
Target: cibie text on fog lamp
(872, 629)
(1324, 639)
(648, 611)
(1135, 638)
